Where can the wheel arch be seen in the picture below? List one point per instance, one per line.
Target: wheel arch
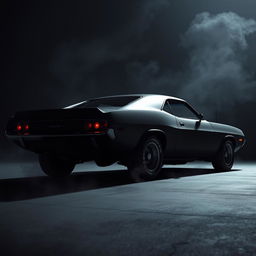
(227, 138)
(230, 138)
(157, 133)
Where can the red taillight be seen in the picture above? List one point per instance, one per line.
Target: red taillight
(22, 127)
(19, 127)
(97, 125)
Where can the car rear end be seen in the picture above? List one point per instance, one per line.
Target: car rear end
(77, 132)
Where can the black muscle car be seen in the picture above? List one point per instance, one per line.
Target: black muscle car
(142, 132)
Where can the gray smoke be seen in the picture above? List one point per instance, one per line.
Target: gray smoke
(215, 76)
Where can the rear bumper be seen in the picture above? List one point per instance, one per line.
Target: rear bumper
(80, 145)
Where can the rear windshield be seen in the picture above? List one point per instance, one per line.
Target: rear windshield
(108, 102)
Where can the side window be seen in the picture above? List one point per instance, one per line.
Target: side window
(167, 107)
(181, 109)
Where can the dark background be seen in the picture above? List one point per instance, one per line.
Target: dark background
(55, 54)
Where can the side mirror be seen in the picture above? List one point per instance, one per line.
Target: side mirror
(201, 116)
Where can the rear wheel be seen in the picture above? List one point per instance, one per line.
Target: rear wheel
(146, 162)
(56, 166)
(224, 159)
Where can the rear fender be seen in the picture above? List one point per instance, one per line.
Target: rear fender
(157, 133)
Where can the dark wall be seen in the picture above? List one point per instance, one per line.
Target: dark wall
(55, 53)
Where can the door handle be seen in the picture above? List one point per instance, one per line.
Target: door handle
(181, 124)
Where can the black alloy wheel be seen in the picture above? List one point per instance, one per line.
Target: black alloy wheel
(56, 166)
(147, 160)
(224, 159)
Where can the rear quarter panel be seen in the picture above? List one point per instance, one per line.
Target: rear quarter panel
(130, 125)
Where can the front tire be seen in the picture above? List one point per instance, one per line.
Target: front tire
(146, 162)
(224, 159)
(55, 166)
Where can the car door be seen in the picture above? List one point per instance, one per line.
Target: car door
(193, 133)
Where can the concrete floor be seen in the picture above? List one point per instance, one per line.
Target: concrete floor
(189, 210)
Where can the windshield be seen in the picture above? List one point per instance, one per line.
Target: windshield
(107, 102)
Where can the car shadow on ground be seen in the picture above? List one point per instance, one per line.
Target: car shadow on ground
(33, 187)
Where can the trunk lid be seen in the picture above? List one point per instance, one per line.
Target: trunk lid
(55, 121)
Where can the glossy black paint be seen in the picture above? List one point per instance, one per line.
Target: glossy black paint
(61, 131)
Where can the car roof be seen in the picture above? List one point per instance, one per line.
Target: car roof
(143, 100)
(152, 101)
(137, 95)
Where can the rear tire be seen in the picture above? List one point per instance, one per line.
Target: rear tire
(224, 159)
(56, 166)
(146, 162)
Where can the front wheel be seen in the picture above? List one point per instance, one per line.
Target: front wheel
(56, 166)
(146, 162)
(224, 159)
